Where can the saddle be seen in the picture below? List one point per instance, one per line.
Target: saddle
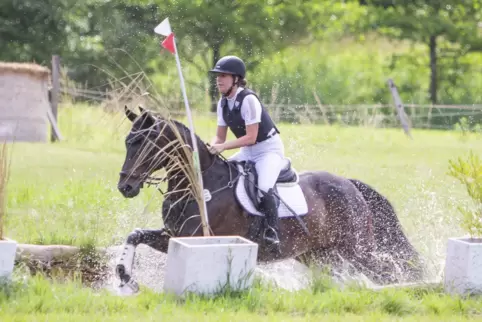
(287, 176)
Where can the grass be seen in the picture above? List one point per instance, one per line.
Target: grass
(39, 299)
(66, 193)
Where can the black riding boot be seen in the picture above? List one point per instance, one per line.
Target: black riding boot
(271, 232)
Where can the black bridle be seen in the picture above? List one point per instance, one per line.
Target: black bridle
(149, 180)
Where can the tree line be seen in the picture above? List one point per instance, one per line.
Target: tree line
(93, 36)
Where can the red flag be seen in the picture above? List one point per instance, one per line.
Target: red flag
(168, 43)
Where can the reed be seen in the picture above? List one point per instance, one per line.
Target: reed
(4, 174)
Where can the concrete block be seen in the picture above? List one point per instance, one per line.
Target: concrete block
(8, 249)
(204, 265)
(463, 266)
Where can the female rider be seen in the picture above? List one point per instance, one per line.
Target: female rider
(256, 135)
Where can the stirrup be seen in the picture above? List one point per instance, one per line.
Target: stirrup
(272, 240)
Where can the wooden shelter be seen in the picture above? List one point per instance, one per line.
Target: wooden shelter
(24, 102)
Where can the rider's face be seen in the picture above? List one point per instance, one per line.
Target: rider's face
(224, 82)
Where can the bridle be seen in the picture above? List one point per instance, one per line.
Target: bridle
(144, 177)
(150, 180)
(155, 181)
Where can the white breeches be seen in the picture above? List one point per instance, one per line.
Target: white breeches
(268, 157)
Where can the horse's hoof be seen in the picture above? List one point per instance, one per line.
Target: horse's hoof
(129, 288)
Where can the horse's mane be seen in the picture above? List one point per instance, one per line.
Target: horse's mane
(184, 131)
(183, 128)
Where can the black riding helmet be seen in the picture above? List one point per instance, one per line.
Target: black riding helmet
(230, 65)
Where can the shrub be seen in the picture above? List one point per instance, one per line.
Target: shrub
(469, 172)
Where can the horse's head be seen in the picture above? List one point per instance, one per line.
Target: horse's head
(146, 147)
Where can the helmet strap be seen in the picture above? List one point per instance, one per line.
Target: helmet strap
(231, 88)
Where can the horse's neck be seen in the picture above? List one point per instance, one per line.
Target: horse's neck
(205, 157)
(177, 186)
(206, 160)
(178, 180)
(179, 183)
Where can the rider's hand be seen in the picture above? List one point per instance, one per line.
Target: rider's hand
(216, 148)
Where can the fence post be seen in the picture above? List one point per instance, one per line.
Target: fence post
(399, 107)
(54, 102)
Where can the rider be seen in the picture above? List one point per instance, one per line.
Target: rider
(256, 135)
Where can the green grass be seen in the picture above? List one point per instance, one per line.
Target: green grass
(66, 193)
(39, 299)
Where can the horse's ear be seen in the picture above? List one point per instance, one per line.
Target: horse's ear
(130, 115)
(141, 109)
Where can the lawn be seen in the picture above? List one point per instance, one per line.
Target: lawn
(40, 300)
(66, 193)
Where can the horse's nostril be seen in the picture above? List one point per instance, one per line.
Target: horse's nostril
(125, 188)
(129, 190)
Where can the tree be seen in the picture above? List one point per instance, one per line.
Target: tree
(89, 36)
(249, 28)
(93, 35)
(429, 22)
(113, 39)
(32, 30)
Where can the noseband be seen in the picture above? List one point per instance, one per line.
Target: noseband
(144, 178)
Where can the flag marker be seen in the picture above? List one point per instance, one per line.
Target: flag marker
(164, 28)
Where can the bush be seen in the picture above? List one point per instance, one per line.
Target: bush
(469, 172)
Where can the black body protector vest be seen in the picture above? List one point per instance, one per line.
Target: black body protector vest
(236, 123)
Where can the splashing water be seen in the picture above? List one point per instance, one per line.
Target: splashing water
(149, 266)
(426, 214)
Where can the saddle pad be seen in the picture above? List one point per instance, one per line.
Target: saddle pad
(292, 195)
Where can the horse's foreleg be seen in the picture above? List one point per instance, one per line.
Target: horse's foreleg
(157, 239)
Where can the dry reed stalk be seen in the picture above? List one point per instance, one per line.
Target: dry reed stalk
(133, 92)
(181, 159)
(190, 171)
(4, 174)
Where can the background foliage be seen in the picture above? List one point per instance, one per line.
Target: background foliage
(342, 51)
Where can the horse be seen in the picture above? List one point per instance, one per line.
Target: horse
(320, 213)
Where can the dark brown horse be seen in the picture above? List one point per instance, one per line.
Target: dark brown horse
(327, 214)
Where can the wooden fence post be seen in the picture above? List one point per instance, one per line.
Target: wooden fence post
(54, 102)
(399, 107)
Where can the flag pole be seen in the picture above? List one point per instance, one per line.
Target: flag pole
(164, 28)
(197, 164)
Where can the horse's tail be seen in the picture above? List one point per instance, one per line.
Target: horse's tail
(388, 231)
